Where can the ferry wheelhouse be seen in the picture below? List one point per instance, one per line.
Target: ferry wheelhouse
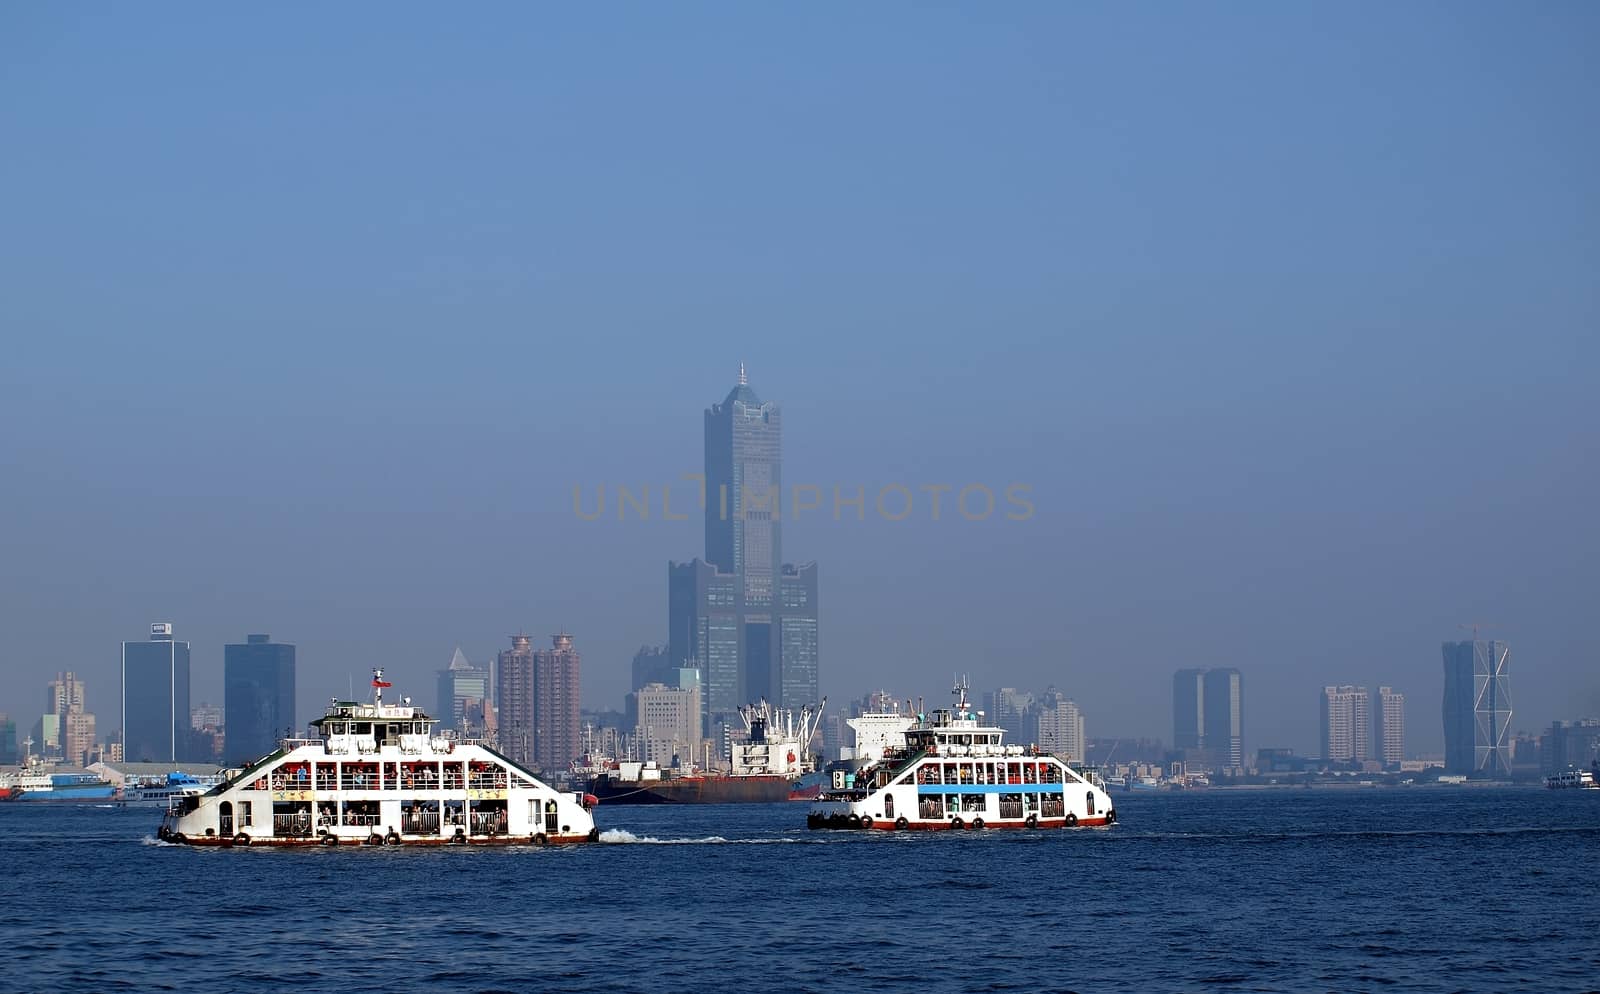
(378, 775)
(955, 772)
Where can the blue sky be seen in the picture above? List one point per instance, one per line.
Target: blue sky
(1286, 314)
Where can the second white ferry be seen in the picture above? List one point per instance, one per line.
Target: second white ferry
(378, 775)
(957, 773)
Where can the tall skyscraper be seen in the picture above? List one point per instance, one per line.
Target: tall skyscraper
(513, 688)
(743, 616)
(653, 664)
(1224, 717)
(463, 692)
(8, 741)
(556, 705)
(1188, 709)
(703, 632)
(1208, 717)
(1477, 708)
(75, 726)
(155, 698)
(1390, 732)
(1008, 707)
(1057, 725)
(1346, 724)
(257, 697)
(797, 636)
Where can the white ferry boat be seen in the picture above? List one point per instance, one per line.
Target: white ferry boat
(1573, 779)
(957, 773)
(380, 776)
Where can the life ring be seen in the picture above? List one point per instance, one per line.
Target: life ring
(1072, 820)
(1031, 822)
(374, 839)
(329, 839)
(392, 839)
(977, 824)
(459, 838)
(539, 839)
(241, 840)
(1111, 816)
(901, 823)
(866, 821)
(956, 824)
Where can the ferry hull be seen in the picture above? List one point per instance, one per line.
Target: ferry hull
(842, 823)
(66, 795)
(692, 790)
(244, 840)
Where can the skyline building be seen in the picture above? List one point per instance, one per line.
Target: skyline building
(653, 664)
(1008, 707)
(1208, 717)
(513, 689)
(1057, 725)
(8, 740)
(667, 722)
(463, 694)
(1188, 708)
(1389, 738)
(1346, 720)
(1477, 708)
(257, 697)
(1224, 717)
(742, 615)
(1569, 745)
(155, 698)
(557, 705)
(75, 726)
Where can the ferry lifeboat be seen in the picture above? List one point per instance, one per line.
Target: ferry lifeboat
(378, 775)
(957, 773)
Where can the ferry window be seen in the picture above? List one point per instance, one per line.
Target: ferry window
(1091, 802)
(244, 813)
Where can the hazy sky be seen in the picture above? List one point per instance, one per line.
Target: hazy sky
(1286, 313)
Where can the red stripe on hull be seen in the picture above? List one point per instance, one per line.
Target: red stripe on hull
(945, 826)
(497, 840)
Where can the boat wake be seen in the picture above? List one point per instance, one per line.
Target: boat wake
(621, 836)
(150, 840)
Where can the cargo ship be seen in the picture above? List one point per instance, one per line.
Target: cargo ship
(379, 775)
(766, 766)
(32, 783)
(876, 733)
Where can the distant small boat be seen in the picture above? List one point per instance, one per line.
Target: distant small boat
(1575, 779)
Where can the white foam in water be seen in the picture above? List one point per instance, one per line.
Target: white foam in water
(150, 840)
(621, 836)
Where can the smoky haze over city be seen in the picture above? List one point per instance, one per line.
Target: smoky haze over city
(1275, 353)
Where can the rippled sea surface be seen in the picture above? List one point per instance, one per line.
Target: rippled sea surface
(1407, 889)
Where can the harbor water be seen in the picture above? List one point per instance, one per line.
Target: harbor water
(1400, 889)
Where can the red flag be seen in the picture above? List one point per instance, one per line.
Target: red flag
(381, 683)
